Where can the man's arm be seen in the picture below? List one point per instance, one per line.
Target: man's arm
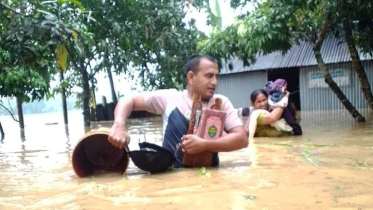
(235, 139)
(154, 102)
(118, 135)
(126, 105)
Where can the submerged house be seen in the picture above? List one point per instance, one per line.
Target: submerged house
(305, 81)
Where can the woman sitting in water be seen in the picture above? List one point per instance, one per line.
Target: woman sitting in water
(268, 124)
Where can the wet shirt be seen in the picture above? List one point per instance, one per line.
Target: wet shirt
(176, 108)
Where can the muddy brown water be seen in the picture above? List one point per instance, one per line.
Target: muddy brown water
(329, 167)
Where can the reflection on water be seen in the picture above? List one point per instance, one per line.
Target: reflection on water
(329, 167)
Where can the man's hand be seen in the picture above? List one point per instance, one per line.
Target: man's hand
(193, 144)
(118, 136)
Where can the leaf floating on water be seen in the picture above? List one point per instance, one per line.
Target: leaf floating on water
(360, 163)
(249, 197)
(306, 154)
(202, 171)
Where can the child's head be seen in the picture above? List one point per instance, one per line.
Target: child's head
(276, 85)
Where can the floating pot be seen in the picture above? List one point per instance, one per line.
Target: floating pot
(95, 154)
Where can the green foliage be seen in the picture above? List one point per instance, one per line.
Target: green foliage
(25, 65)
(214, 20)
(72, 79)
(360, 15)
(274, 25)
(16, 82)
(239, 3)
(148, 37)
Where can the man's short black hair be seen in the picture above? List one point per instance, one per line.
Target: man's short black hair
(193, 62)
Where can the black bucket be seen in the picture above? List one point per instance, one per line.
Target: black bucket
(152, 158)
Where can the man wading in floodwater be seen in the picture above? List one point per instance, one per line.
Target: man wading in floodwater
(175, 107)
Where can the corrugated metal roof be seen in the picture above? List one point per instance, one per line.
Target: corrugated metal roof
(333, 50)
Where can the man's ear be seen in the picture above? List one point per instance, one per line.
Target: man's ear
(190, 77)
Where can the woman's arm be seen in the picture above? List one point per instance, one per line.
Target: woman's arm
(274, 115)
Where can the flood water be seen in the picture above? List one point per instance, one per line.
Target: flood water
(329, 167)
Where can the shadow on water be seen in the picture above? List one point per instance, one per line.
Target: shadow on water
(67, 131)
(68, 144)
(23, 157)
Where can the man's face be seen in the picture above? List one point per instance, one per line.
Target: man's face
(261, 102)
(205, 80)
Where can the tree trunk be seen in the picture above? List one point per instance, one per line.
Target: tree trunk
(20, 117)
(64, 105)
(324, 69)
(364, 82)
(335, 88)
(93, 113)
(86, 95)
(113, 94)
(2, 132)
(110, 76)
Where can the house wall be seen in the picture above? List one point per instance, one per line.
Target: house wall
(314, 97)
(238, 87)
